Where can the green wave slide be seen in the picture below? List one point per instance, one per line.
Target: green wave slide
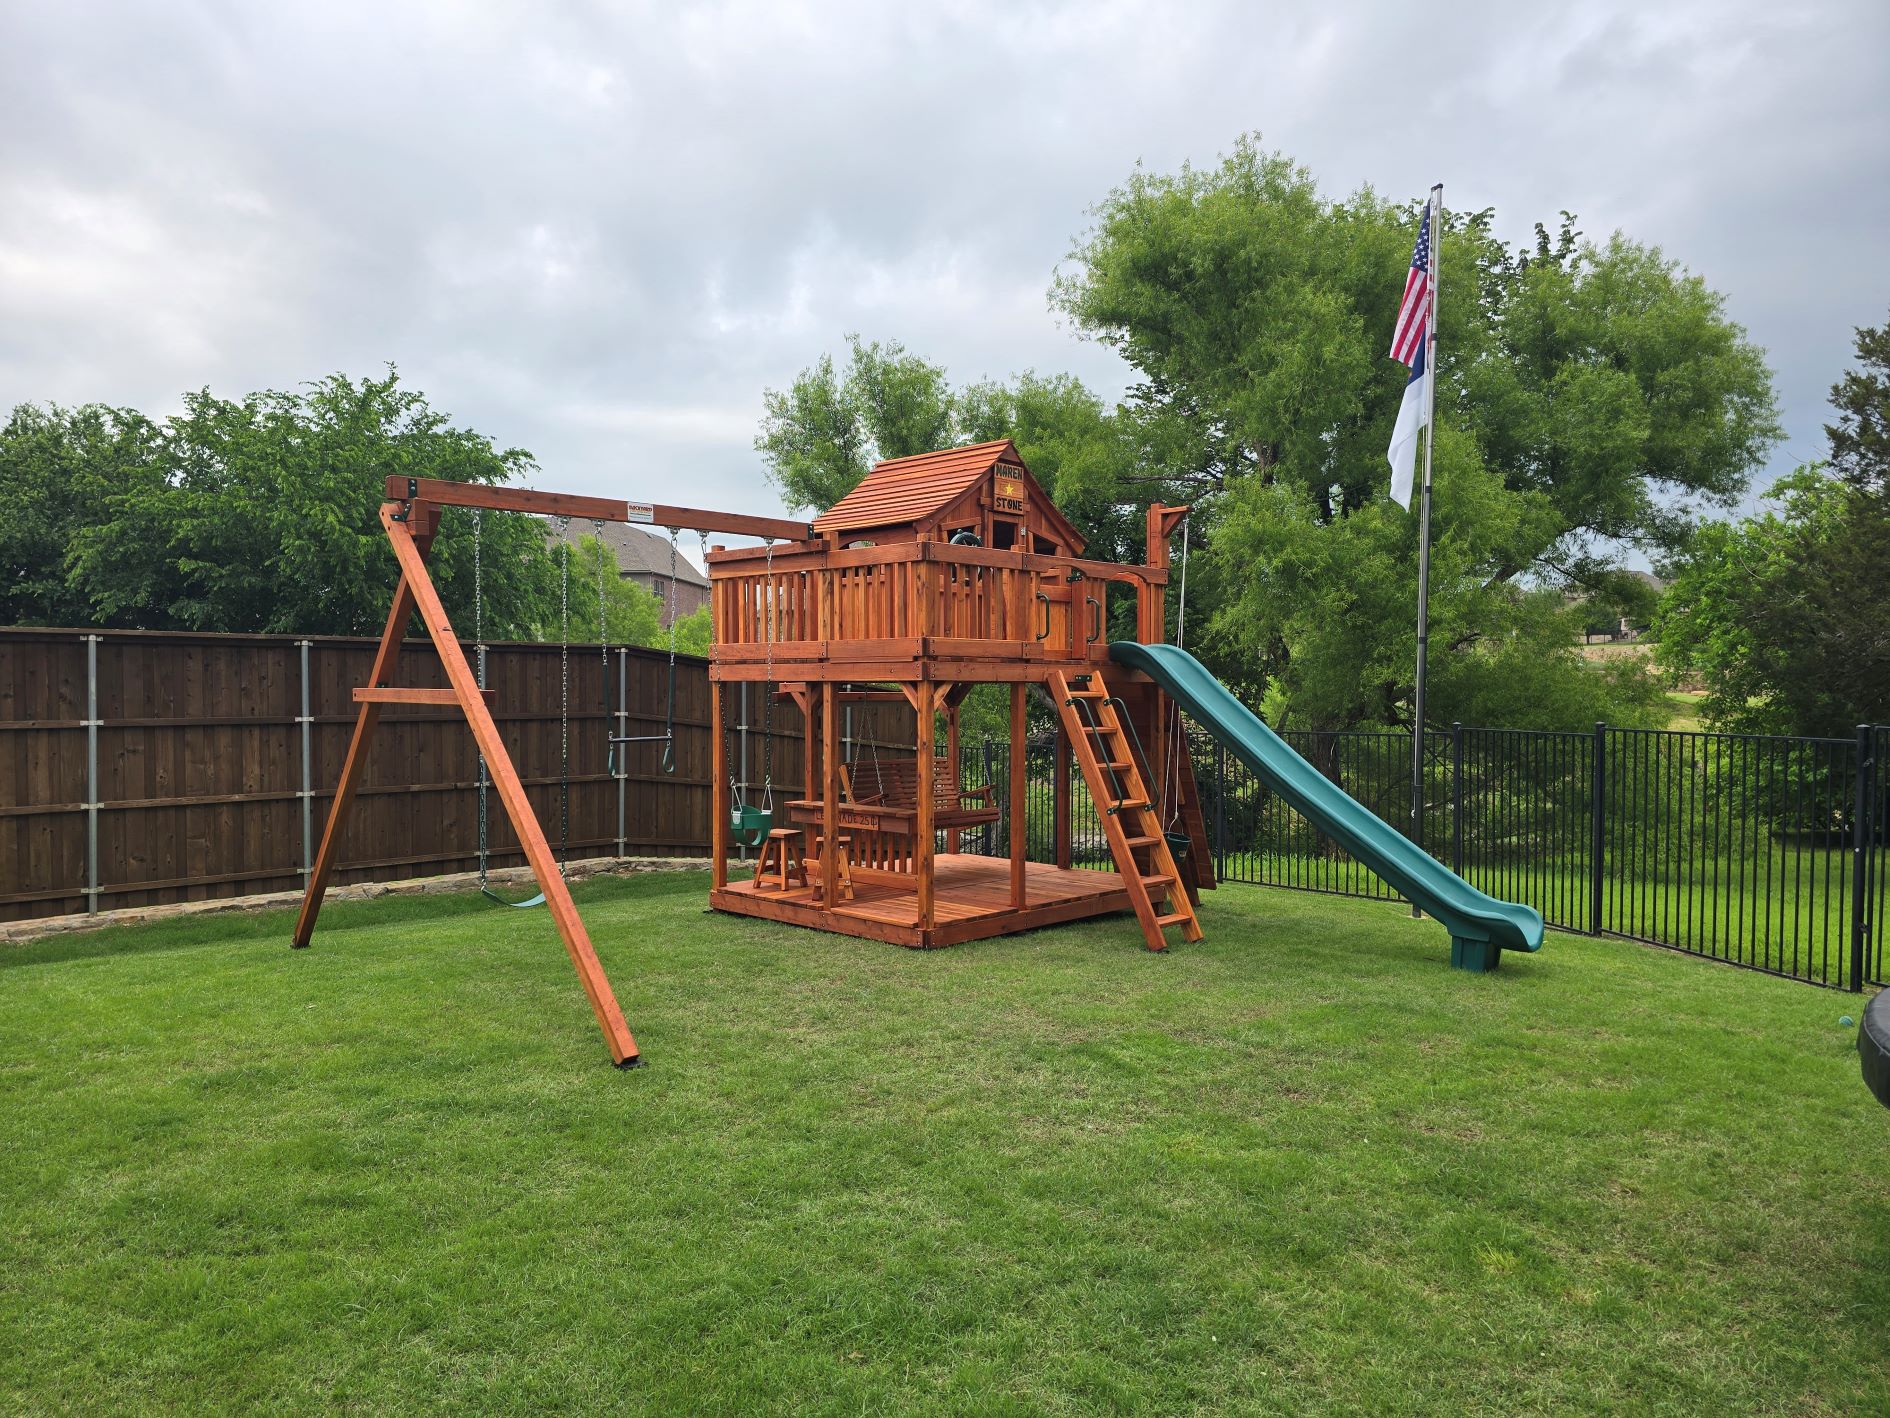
(1481, 927)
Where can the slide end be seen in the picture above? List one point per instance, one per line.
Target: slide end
(1477, 956)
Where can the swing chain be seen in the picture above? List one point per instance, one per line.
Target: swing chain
(479, 645)
(767, 703)
(563, 525)
(734, 784)
(669, 711)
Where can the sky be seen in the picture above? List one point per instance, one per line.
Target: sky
(600, 232)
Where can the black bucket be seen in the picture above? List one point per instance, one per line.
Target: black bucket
(1179, 844)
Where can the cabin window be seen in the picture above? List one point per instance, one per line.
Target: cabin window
(1044, 546)
(1003, 535)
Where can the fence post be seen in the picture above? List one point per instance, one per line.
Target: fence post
(620, 757)
(1220, 809)
(1860, 854)
(1597, 830)
(91, 774)
(306, 723)
(990, 828)
(1456, 797)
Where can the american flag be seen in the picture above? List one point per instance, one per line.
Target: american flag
(1407, 337)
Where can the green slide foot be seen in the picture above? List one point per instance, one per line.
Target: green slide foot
(1478, 956)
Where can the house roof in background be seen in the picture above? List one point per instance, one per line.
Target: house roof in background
(638, 553)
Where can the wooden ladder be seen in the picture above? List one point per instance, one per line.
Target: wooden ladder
(1131, 819)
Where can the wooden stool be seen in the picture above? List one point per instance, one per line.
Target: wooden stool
(842, 866)
(783, 859)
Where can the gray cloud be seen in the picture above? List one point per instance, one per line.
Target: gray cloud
(599, 233)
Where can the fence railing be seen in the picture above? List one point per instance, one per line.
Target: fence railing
(1765, 852)
(140, 768)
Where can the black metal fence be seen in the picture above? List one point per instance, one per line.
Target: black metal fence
(1762, 851)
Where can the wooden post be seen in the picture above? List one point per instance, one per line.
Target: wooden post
(829, 797)
(1020, 810)
(353, 766)
(1151, 601)
(809, 702)
(923, 832)
(1060, 796)
(719, 806)
(564, 913)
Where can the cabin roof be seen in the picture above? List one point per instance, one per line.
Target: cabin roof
(900, 491)
(903, 491)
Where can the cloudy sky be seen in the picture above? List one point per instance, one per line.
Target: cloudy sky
(599, 232)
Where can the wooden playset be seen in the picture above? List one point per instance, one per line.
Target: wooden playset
(936, 574)
(939, 573)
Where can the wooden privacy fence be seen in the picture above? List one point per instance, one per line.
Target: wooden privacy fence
(143, 767)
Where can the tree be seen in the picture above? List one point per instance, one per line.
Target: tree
(1583, 390)
(823, 434)
(695, 632)
(258, 514)
(56, 467)
(1786, 615)
(1860, 439)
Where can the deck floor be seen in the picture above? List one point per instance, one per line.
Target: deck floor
(971, 902)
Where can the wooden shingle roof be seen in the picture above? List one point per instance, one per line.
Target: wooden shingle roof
(900, 491)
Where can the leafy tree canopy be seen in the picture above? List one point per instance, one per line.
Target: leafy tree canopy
(262, 514)
(825, 432)
(256, 514)
(1785, 616)
(1585, 393)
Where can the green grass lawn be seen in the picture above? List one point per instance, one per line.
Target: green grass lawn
(1299, 1167)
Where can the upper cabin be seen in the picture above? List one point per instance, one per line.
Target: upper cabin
(948, 566)
(983, 491)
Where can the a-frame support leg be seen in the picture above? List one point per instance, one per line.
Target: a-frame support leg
(417, 587)
(352, 767)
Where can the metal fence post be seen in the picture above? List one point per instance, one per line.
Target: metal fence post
(1456, 797)
(1598, 827)
(1220, 809)
(619, 758)
(91, 774)
(305, 721)
(990, 828)
(1860, 854)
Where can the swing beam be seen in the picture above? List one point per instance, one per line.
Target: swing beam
(411, 519)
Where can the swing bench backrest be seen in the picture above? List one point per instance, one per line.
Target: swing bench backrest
(892, 785)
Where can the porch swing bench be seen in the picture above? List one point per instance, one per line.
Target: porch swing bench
(889, 791)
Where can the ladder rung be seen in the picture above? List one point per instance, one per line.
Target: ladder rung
(1157, 880)
(1088, 694)
(1142, 841)
(1130, 804)
(1121, 767)
(1166, 921)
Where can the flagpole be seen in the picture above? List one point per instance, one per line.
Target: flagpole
(1424, 528)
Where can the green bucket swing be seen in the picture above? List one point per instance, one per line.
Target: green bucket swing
(750, 825)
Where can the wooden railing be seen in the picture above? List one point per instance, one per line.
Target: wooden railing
(910, 599)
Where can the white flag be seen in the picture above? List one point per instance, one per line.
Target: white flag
(1404, 435)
